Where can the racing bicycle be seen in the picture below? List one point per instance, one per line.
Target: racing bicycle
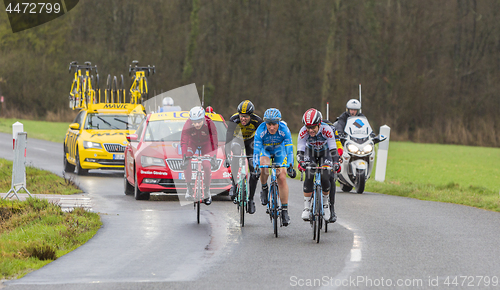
(274, 203)
(199, 187)
(242, 188)
(82, 92)
(139, 87)
(317, 212)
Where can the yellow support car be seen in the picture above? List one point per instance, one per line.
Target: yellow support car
(96, 138)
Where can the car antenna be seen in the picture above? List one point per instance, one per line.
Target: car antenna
(203, 96)
(360, 97)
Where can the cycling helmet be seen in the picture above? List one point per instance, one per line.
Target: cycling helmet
(272, 115)
(209, 110)
(245, 107)
(168, 101)
(196, 113)
(353, 104)
(312, 117)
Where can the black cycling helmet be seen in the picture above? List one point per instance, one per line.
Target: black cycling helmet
(246, 107)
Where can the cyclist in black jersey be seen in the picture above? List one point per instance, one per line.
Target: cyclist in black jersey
(240, 134)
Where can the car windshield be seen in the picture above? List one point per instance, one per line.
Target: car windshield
(169, 130)
(113, 122)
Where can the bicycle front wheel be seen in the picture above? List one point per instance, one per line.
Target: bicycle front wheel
(198, 211)
(243, 204)
(275, 211)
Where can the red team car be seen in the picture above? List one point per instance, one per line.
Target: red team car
(153, 158)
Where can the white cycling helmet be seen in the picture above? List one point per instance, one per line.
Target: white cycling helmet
(196, 113)
(168, 101)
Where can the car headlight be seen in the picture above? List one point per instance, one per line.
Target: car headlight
(368, 148)
(352, 148)
(91, 145)
(152, 161)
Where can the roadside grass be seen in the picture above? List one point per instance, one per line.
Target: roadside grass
(447, 173)
(38, 181)
(50, 131)
(35, 232)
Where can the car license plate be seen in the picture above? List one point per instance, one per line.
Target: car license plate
(181, 175)
(118, 156)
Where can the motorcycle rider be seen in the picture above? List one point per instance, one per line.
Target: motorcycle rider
(274, 140)
(316, 146)
(240, 134)
(199, 132)
(168, 106)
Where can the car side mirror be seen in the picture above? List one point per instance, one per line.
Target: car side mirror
(74, 126)
(132, 138)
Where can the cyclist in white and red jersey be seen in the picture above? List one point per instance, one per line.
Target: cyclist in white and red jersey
(316, 146)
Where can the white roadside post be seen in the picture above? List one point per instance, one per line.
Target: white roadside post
(19, 165)
(383, 149)
(16, 128)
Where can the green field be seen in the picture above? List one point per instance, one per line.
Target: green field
(51, 131)
(449, 173)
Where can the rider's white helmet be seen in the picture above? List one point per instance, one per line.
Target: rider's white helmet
(168, 101)
(196, 113)
(353, 104)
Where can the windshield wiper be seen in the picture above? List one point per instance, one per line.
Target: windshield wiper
(107, 123)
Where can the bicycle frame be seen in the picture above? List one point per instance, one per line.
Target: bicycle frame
(83, 94)
(242, 188)
(274, 204)
(317, 211)
(199, 188)
(139, 86)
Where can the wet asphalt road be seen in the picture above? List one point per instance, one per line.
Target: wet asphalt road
(379, 241)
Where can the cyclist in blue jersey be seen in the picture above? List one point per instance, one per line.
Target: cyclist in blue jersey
(274, 140)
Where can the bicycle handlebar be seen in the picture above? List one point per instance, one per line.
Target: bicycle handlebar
(240, 156)
(313, 168)
(200, 157)
(273, 166)
(141, 68)
(87, 66)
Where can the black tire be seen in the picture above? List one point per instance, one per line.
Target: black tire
(108, 90)
(129, 189)
(68, 167)
(360, 181)
(243, 205)
(274, 197)
(198, 195)
(318, 234)
(198, 205)
(79, 169)
(115, 92)
(137, 193)
(346, 188)
(122, 89)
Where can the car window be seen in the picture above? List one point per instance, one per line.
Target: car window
(169, 130)
(140, 129)
(79, 118)
(97, 121)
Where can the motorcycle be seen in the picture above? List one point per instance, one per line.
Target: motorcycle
(359, 154)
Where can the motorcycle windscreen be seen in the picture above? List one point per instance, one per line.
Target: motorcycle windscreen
(358, 127)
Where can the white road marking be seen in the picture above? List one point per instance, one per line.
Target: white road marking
(353, 261)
